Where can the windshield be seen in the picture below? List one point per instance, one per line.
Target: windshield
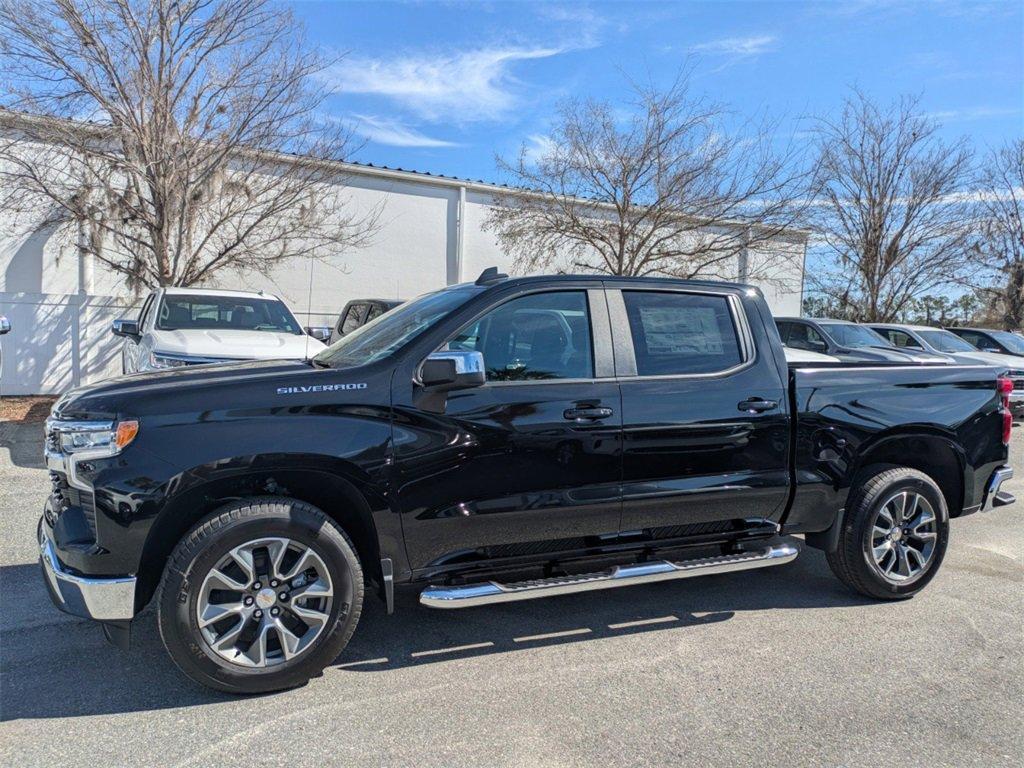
(946, 341)
(384, 335)
(179, 312)
(850, 335)
(1011, 341)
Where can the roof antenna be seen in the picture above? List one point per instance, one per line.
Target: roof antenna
(490, 276)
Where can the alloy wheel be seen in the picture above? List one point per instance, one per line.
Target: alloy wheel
(265, 602)
(903, 536)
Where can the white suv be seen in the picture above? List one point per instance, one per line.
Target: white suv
(189, 326)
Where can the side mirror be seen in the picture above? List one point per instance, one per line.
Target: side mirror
(127, 328)
(319, 332)
(456, 369)
(444, 372)
(818, 346)
(5, 325)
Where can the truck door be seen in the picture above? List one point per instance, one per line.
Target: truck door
(530, 461)
(704, 410)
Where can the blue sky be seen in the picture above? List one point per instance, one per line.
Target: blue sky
(444, 86)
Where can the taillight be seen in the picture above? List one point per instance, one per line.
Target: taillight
(1004, 387)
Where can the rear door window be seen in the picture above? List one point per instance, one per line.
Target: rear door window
(682, 333)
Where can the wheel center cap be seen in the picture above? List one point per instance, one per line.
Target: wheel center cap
(266, 597)
(896, 534)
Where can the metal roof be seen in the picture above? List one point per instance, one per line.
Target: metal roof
(404, 174)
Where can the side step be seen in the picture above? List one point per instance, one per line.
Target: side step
(469, 595)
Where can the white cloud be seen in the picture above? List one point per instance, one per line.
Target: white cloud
(586, 24)
(383, 130)
(537, 147)
(972, 113)
(751, 45)
(462, 87)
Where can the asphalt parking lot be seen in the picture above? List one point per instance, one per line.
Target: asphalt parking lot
(775, 667)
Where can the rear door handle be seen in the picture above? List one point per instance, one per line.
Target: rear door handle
(757, 405)
(587, 413)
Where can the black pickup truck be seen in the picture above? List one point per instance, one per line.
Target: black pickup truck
(497, 441)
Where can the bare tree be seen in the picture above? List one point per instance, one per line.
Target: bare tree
(890, 207)
(182, 138)
(658, 186)
(1001, 245)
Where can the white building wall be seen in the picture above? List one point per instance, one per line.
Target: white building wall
(61, 336)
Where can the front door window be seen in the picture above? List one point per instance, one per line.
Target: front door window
(540, 336)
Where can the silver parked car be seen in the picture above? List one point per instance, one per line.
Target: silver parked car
(940, 341)
(847, 341)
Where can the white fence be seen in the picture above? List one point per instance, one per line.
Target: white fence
(58, 341)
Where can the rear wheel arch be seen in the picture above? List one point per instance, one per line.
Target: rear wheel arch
(933, 454)
(936, 455)
(338, 497)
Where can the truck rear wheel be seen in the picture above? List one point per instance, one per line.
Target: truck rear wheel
(260, 597)
(894, 535)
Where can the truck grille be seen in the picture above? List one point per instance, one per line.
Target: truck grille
(53, 441)
(65, 497)
(1018, 379)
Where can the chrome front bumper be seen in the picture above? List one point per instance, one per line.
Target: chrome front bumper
(103, 599)
(994, 497)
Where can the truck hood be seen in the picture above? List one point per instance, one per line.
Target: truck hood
(235, 344)
(924, 356)
(1009, 362)
(807, 356)
(892, 355)
(235, 387)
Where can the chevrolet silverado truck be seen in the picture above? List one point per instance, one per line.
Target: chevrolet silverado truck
(498, 441)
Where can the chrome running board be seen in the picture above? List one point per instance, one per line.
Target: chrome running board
(469, 595)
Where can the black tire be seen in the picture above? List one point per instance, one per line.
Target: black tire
(208, 543)
(853, 561)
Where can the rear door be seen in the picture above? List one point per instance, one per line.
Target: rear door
(704, 410)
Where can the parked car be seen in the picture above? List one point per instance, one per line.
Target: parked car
(941, 341)
(178, 327)
(500, 441)
(988, 340)
(847, 341)
(358, 313)
(5, 328)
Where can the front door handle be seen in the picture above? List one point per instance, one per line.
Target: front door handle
(757, 405)
(587, 413)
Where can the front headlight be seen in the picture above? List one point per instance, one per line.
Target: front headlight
(156, 360)
(102, 438)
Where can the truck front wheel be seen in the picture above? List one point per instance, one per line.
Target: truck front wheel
(261, 596)
(894, 535)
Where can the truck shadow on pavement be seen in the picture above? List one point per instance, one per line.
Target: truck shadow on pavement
(54, 665)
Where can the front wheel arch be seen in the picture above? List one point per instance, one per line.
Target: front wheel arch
(339, 499)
